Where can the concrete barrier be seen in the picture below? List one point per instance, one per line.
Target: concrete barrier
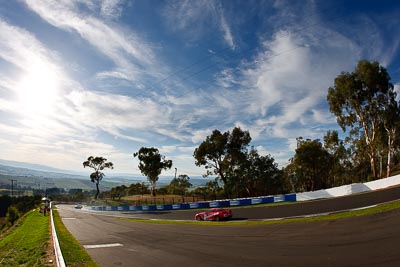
(346, 190)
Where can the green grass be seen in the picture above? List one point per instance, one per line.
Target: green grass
(335, 216)
(74, 254)
(28, 243)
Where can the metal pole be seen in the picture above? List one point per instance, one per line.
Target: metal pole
(12, 186)
(175, 180)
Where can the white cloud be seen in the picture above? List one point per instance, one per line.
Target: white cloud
(129, 52)
(397, 90)
(14, 48)
(281, 73)
(288, 81)
(111, 112)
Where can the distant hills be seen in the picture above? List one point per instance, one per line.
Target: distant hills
(33, 167)
(40, 177)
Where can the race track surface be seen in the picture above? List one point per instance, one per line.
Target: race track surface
(371, 240)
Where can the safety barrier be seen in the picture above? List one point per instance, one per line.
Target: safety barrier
(57, 250)
(202, 205)
(345, 190)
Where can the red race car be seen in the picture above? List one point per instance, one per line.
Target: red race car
(215, 214)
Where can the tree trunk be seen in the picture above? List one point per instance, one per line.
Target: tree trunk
(373, 167)
(98, 191)
(391, 136)
(388, 164)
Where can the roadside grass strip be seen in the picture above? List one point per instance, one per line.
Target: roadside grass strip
(74, 254)
(28, 243)
(388, 206)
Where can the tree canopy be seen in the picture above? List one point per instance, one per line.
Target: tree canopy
(151, 163)
(243, 172)
(220, 153)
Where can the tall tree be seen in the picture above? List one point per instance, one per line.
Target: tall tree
(98, 164)
(359, 99)
(220, 153)
(151, 163)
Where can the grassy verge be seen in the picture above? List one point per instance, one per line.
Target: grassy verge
(74, 254)
(28, 243)
(335, 216)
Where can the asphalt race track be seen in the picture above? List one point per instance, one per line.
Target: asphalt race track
(371, 240)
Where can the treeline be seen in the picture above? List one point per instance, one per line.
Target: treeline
(12, 208)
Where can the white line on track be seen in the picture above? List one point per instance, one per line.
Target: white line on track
(103, 245)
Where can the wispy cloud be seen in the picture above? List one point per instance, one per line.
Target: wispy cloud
(196, 17)
(131, 55)
(111, 8)
(228, 37)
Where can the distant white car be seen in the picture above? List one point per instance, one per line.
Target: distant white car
(79, 206)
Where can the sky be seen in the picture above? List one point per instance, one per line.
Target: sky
(107, 77)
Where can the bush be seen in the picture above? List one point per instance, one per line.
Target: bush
(12, 215)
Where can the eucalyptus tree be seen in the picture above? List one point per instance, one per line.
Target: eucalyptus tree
(151, 163)
(221, 153)
(360, 100)
(98, 164)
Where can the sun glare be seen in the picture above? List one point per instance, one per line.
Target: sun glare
(37, 90)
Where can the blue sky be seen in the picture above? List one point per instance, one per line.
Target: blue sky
(106, 77)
